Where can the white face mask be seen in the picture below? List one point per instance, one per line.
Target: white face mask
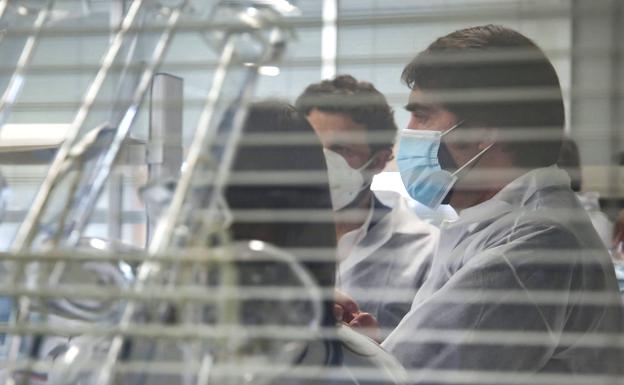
(345, 182)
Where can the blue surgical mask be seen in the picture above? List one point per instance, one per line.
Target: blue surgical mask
(417, 159)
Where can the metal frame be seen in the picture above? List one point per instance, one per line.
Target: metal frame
(68, 155)
(17, 79)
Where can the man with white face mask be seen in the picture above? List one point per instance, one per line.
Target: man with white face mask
(384, 252)
(521, 289)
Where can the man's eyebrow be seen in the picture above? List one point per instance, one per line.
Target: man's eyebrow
(412, 107)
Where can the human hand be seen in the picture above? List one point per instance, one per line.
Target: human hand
(347, 311)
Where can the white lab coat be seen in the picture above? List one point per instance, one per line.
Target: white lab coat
(388, 263)
(521, 284)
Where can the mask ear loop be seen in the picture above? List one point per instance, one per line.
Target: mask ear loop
(362, 170)
(472, 160)
(453, 127)
(367, 164)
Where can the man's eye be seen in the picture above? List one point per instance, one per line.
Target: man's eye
(346, 152)
(419, 115)
(419, 118)
(339, 149)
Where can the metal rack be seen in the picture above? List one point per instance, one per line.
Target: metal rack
(194, 308)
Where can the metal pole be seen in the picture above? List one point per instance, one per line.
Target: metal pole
(205, 133)
(329, 39)
(17, 80)
(115, 205)
(87, 203)
(164, 147)
(27, 230)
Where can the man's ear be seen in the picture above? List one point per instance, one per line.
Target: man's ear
(380, 159)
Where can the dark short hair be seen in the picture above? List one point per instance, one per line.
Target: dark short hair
(271, 117)
(359, 100)
(492, 76)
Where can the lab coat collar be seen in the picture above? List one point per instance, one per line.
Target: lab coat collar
(515, 194)
(400, 220)
(522, 190)
(350, 240)
(377, 213)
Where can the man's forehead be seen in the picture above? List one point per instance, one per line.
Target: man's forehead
(334, 121)
(347, 135)
(337, 127)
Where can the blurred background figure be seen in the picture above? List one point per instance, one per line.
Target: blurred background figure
(288, 184)
(570, 161)
(612, 235)
(618, 237)
(618, 250)
(618, 234)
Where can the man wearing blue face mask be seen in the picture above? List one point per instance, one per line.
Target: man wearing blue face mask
(521, 289)
(384, 252)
